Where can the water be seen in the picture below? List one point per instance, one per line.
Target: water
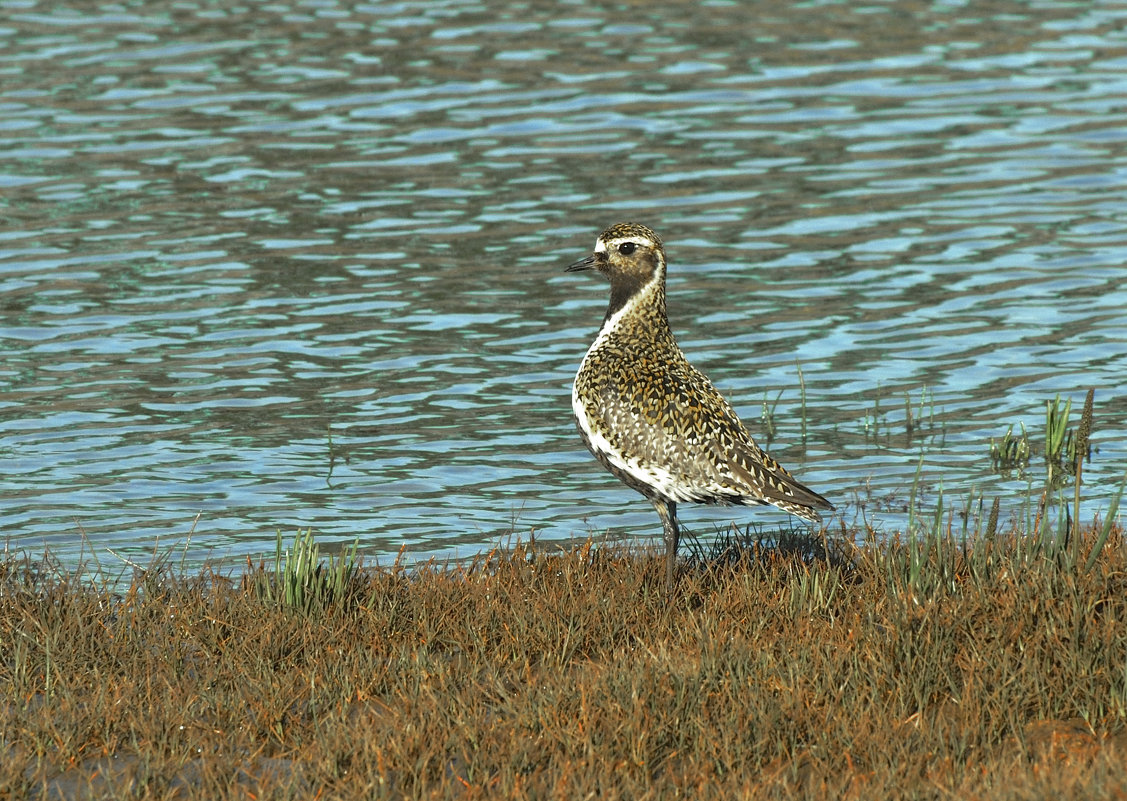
(294, 265)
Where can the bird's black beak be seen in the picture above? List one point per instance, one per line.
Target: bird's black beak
(583, 264)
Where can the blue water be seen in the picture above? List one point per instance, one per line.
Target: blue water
(301, 265)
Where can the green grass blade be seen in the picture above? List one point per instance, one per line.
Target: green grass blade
(1105, 531)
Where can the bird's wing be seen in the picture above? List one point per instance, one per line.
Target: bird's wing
(673, 430)
(754, 468)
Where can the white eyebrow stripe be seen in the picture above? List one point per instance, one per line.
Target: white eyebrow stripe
(644, 241)
(600, 247)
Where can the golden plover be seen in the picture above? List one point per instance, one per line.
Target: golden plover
(652, 419)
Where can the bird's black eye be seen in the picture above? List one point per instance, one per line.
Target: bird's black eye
(626, 248)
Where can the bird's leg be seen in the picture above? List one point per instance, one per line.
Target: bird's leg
(667, 511)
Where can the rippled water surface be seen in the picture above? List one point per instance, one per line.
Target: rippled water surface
(300, 264)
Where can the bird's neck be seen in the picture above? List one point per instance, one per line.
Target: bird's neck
(642, 301)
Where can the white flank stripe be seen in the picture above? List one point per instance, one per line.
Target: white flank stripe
(657, 477)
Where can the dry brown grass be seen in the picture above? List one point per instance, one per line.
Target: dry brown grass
(990, 673)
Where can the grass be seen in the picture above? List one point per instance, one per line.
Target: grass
(767, 418)
(934, 666)
(300, 580)
(1064, 448)
(1010, 452)
(916, 423)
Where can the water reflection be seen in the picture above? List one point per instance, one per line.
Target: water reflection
(300, 264)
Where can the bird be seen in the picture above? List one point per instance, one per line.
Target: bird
(652, 419)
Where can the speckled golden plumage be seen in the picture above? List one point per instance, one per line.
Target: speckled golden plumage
(654, 420)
